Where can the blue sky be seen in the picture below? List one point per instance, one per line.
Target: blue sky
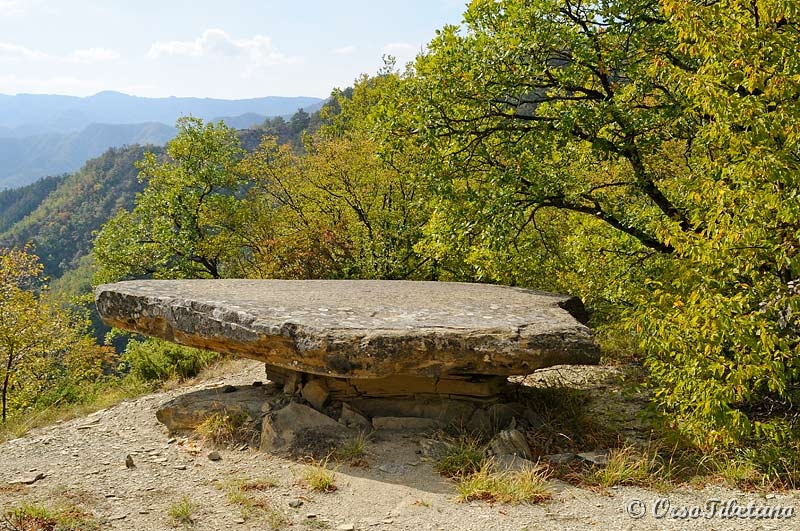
(219, 49)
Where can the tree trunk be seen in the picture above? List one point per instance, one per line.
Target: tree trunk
(5, 383)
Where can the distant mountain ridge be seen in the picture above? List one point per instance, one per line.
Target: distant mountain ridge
(44, 135)
(25, 160)
(25, 115)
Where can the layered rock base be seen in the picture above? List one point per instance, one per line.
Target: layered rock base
(290, 424)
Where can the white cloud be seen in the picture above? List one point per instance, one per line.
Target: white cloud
(345, 50)
(12, 7)
(93, 55)
(16, 52)
(216, 42)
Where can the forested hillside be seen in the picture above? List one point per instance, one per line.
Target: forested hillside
(17, 203)
(59, 215)
(61, 227)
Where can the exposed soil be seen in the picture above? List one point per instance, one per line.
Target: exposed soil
(393, 488)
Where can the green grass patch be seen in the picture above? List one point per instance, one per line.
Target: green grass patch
(248, 496)
(352, 450)
(630, 465)
(40, 518)
(181, 512)
(318, 477)
(464, 456)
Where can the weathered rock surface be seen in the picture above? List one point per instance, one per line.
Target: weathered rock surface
(28, 479)
(359, 329)
(315, 393)
(512, 443)
(512, 463)
(353, 419)
(297, 428)
(186, 412)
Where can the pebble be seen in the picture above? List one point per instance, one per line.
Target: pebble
(214, 456)
(238, 520)
(346, 527)
(295, 504)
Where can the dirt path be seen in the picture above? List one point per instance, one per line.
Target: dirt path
(84, 464)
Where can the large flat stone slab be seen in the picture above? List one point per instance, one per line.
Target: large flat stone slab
(359, 328)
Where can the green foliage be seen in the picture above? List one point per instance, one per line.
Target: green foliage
(463, 457)
(353, 450)
(228, 429)
(319, 478)
(156, 360)
(643, 158)
(640, 154)
(182, 512)
(488, 484)
(247, 494)
(187, 222)
(340, 210)
(630, 465)
(301, 123)
(44, 354)
(721, 327)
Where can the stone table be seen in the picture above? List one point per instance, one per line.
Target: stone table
(350, 338)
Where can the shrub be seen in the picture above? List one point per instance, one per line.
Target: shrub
(153, 359)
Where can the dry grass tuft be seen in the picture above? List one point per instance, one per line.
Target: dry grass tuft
(488, 484)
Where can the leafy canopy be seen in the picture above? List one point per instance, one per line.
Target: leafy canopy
(186, 222)
(643, 155)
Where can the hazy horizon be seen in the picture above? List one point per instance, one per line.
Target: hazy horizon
(240, 49)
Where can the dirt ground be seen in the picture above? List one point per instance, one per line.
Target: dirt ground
(84, 464)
